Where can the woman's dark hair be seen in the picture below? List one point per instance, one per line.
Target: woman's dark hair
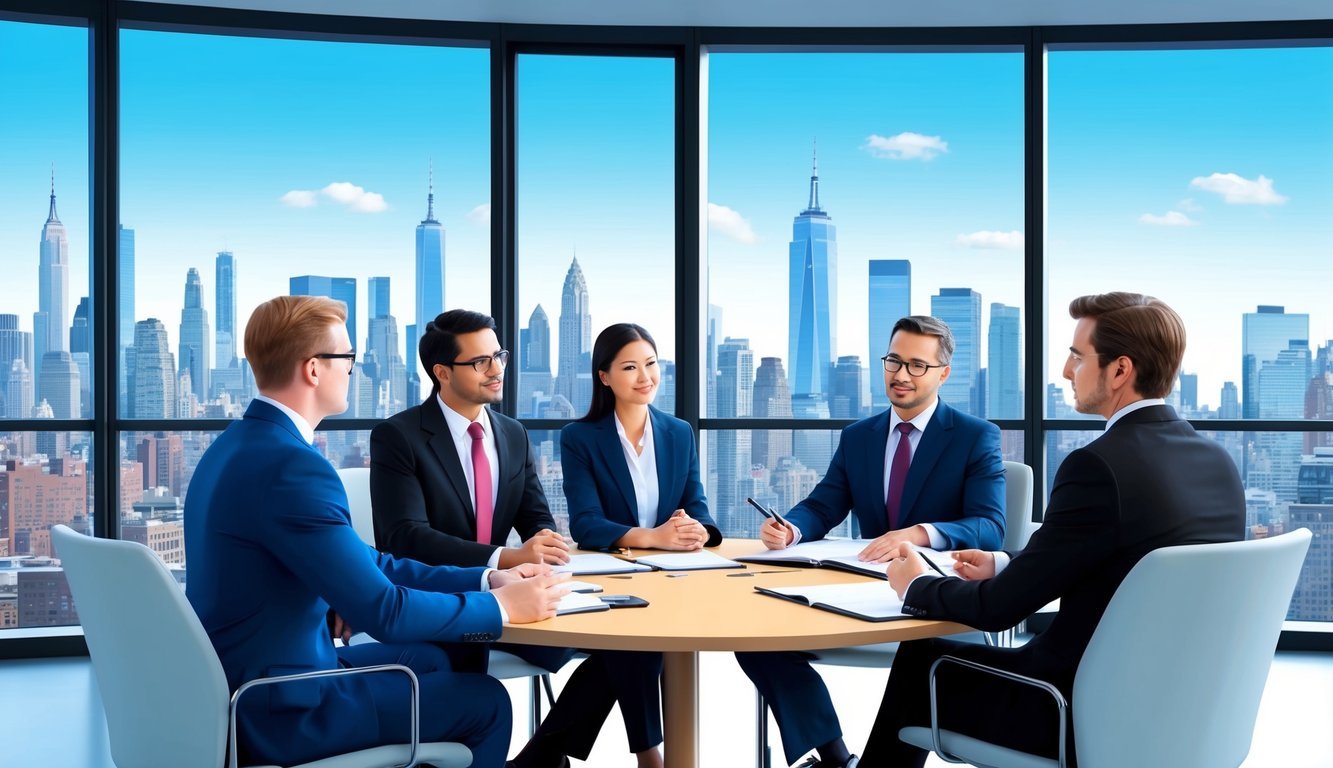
(604, 350)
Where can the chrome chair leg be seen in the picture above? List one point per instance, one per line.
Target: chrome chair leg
(535, 701)
(762, 753)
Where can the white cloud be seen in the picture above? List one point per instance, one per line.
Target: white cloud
(1189, 206)
(1009, 241)
(481, 215)
(1239, 190)
(299, 198)
(355, 197)
(1168, 219)
(906, 146)
(730, 223)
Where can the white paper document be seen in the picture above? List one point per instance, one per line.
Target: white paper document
(687, 561)
(842, 554)
(591, 565)
(866, 600)
(578, 602)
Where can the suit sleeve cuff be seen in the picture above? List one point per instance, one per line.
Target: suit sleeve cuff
(937, 540)
(486, 587)
(493, 562)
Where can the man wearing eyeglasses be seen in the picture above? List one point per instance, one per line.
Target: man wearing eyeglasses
(451, 477)
(922, 473)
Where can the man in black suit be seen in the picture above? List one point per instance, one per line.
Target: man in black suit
(1148, 481)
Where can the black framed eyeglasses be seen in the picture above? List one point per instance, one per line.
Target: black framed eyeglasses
(350, 357)
(483, 364)
(915, 368)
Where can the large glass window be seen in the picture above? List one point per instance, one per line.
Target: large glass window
(596, 220)
(255, 167)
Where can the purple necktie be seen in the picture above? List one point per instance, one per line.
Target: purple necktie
(902, 460)
(481, 483)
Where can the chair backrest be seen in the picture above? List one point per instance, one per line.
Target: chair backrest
(357, 482)
(1175, 670)
(162, 686)
(1018, 523)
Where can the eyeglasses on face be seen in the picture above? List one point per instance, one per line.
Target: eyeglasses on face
(350, 357)
(483, 364)
(915, 368)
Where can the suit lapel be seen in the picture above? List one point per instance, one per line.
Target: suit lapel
(508, 449)
(663, 455)
(608, 441)
(874, 473)
(928, 451)
(441, 443)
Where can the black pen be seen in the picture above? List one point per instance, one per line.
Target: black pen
(768, 512)
(931, 563)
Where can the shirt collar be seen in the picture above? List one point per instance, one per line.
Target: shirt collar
(458, 423)
(302, 426)
(920, 421)
(644, 441)
(1132, 407)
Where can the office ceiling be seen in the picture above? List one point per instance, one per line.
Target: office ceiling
(805, 13)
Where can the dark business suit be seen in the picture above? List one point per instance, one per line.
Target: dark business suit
(602, 508)
(1149, 481)
(271, 549)
(955, 482)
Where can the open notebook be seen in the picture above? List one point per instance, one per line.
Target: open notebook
(579, 602)
(593, 565)
(840, 553)
(865, 600)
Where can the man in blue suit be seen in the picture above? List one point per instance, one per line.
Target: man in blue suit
(271, 550)
(921, 473)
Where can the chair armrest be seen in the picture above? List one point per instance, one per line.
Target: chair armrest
(1061, 705)
(411, 677)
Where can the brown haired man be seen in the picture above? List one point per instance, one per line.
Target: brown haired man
(1148, 481)
(271, 550)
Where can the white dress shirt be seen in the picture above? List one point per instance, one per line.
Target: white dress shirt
(458, 424)
(302, 426)
(642, 461)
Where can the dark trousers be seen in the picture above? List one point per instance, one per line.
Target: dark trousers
(630, 678)
(983, 706)
(798, 697)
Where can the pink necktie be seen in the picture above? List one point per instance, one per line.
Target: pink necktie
(902, 460)
(481, 483)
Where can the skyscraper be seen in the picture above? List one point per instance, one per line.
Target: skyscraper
(79, 340)
(194, 347)
(849, 388)
(377, 296)
(337, 288)
(18, 390)
(429, 277)
(735, 394)
(771, 399)
(1004, 364)
(125, 322)
(960, 308)
(154, 384)
(890, 289)
(534, 361)
(15, 346)
(1264, 334)
(575, 340)
(80, 349)
(48, 322)
(812, 296)
(60, 385)
(225, 306)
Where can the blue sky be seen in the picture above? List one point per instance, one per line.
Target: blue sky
(1200, 176)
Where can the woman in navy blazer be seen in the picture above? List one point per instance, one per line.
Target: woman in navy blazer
(632, 480)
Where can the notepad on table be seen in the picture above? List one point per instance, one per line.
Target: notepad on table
(687, 561)
(841, 554)
(583, 586)
(579, 602)
(865, 600)
(592, 565)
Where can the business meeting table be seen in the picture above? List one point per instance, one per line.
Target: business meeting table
(714, 610)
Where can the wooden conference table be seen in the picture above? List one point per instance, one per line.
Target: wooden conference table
(714, 610)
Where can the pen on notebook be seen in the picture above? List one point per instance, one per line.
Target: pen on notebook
(931, 563)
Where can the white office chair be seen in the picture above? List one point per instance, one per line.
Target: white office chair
(162, 685)
(1018, 527)
(1190, 631)
(501, 665)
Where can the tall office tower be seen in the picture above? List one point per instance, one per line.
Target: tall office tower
(60, 385)
(960, 308)
(1229, 401)
(575, 339)
(534, 361)
(337, 288)
(1282, 385)
(377, 296)
(1004, 364)
(18, 390)
(1313, 599)
(890, 299)
(79, 340)
(125, 320)
(430, 280)
(735, 398)
(812, 303)
(1189, 391)
(163, 458)
(1318, 406)
(712, 334)
(1264, 333)
(48, 322)
(666, 388)
(15, 345)
(771, 399)
(80, 348)
(224, 305)
(194, 347)
(154, 371)
(850, 388)
(390, 374)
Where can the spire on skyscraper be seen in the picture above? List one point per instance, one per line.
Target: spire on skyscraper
(52, 217)
(430, 193)
(814, 179)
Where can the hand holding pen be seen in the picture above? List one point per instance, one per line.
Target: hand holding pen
(776, 532)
